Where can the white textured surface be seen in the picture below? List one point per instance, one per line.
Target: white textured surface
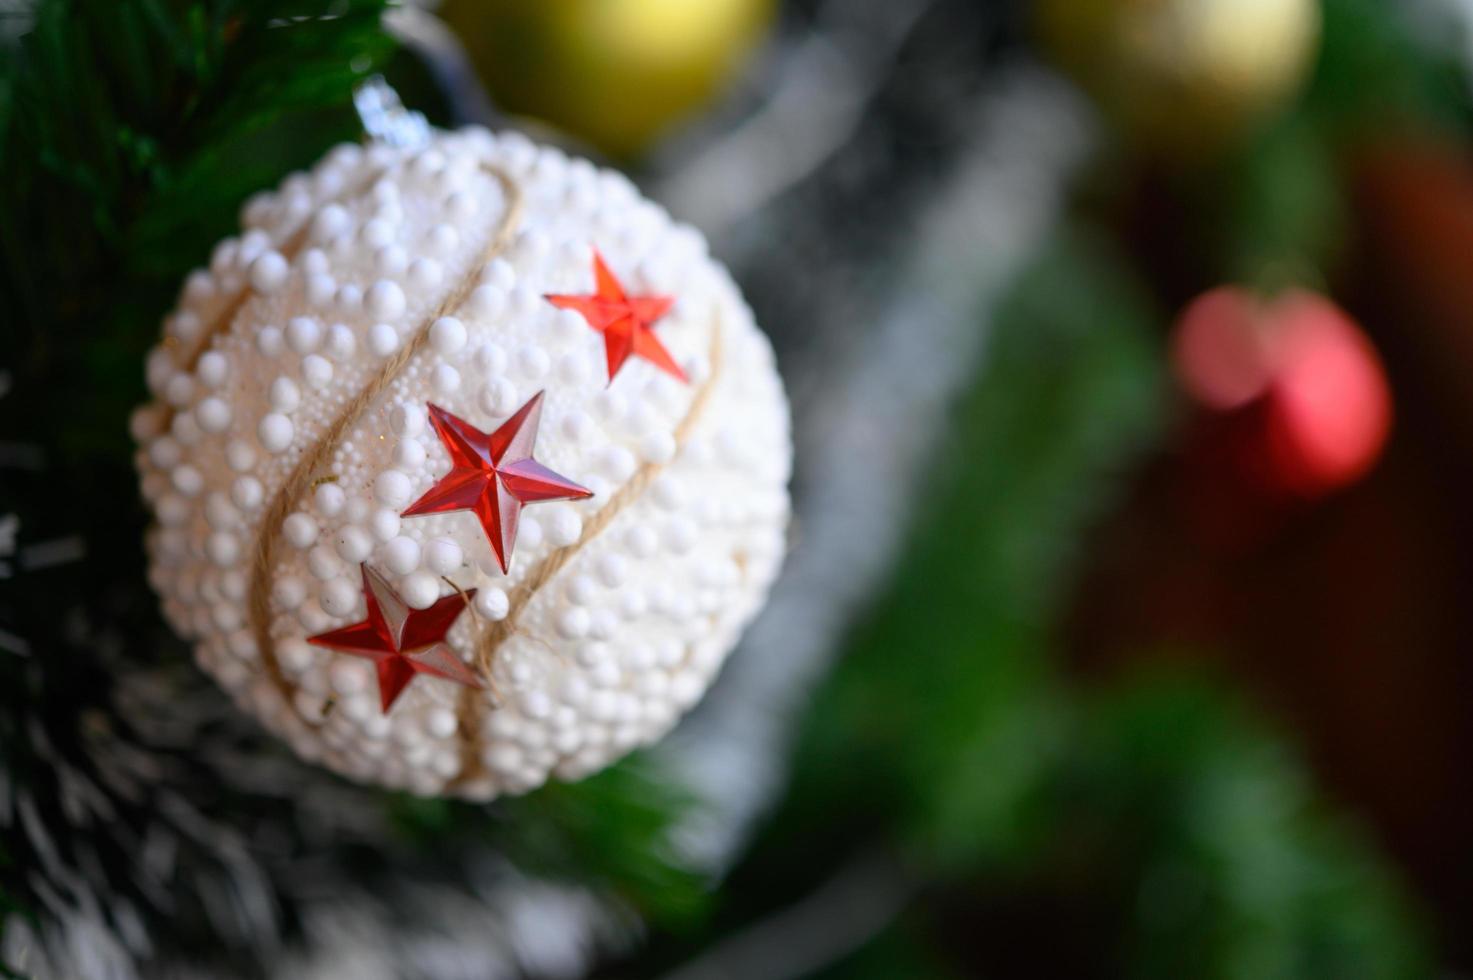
(629, 634)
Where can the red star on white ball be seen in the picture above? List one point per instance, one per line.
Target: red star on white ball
(401, 641)
(494, 475)
(627, 322)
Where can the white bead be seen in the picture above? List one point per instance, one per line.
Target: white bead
(384, 524)
(409, 454)
(315, 261)
(533, 362)
(569, 324)
(460, 204)
(284, 394)
(641, 541)
(408, 419)
(573, 623)
(440, 723)
(303, 334)
(187, 480)
(383, 339)
(353, 544)
(377, 232)
(247, 493)
(316, 371)
(657, 447)
(612, 569)
(219, 512)
(340, 342)
(270, 342)
(185, 429)
(239, 455)
(349, 676)
(500, 273)
(158, 369)
(443, 556)
(573, 369)
(294, 655)
(198, 287)
(487, 302)
(445, 379)
(299, 530)
(385, 300)
(392, 489)
(212, 369)
(338, 596)
(602, 624)
(611, 404)
(490, 359)
(391, 260)
(492, 603)
(223, 548)
(323, 563)
(564, 526)
(165, 453)
(447, 335)
(499, 397)
(577, 426)
(425, 273)
(442, 238)
(275, 432)
(680, 535)
(349, 299)
(179, 390)
(668, 492)
(503, 758)
(330, 222)
(618, 462)
(173, 510)
(401, 555)
(184, 325)
(329, 499)
(321, 288)
(421, 589)
(269, 272)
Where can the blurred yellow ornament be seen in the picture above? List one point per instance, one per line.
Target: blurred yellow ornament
(617, 73)
(1184, 74)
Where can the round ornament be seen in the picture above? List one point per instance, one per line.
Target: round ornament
(468, 465)
(1184, 75)
(618, 73)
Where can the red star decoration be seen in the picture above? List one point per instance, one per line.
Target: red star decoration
(494, 475)
(402, 641)
(625, 321)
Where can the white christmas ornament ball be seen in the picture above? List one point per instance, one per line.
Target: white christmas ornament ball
(467, 475)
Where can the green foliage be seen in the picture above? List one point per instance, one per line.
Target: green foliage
(942, 690)
(1150, 830)
(1204, 828)
(130, 133)
(1374, 75)
(609, 833)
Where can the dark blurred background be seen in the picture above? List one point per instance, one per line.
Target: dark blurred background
(1125, 630)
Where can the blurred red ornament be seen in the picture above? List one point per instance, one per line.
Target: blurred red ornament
(1301, 370)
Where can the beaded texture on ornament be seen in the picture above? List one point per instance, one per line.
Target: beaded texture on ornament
(580, 688)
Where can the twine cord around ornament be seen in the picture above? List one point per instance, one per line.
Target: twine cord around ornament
(547, 569)
(306, 470)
